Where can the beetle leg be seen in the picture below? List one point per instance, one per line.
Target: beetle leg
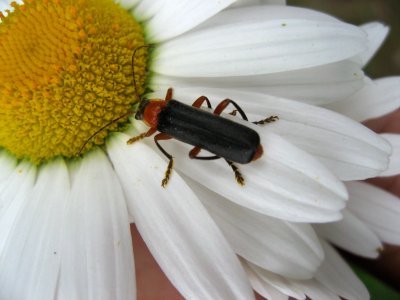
(168, 96)
(267, 120)
(224, 103)
(238, 176)
(196, 150)
(199, 102)
(160, 137)
(233, 112)
(148, 133)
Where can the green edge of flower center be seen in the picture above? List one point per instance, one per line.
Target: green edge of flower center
(66, 72)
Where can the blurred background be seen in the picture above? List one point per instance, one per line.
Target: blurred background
(387, 60)
(382, 277)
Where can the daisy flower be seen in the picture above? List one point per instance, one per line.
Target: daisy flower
(67, 72)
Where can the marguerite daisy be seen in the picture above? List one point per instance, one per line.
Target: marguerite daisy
(66, 72)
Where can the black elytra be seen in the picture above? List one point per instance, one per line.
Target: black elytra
(220, 136)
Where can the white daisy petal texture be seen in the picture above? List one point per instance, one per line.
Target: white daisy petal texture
(14, 192)
(333, 279)
(96, 250)
(298, 289)
(394, 163)
(377, 208)
(378, 98)
(285, 183)
(352, 235)
(261, 13)
(318, 85)
(289, 249)
(269, 284)
(179, 15)
(253, 46)
(8, 164)
(350, 150)
(257, 2)
(30, 257)
(315, 290)
(337, 276)
(175, 226)
(146, 9)
(377, 33)
(3, 6)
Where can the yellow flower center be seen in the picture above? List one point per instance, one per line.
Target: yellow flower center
(66, 72)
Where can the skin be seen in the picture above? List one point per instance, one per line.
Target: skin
(152, 284)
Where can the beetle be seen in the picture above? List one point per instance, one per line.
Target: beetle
(234, 142)
(223, 137)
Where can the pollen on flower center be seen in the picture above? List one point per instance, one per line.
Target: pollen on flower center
(65, 72)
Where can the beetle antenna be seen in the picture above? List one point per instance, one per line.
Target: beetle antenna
(102, 128)
(130, 112)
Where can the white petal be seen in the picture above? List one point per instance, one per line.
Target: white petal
(181, 16)
(315, 290)
(5, 5)
(265, 279)
(177, 229)
(336, 275)
(254, 46)
(262, 12)
(271, 286)
(285, 183)
(256, 2)
(14, 193)
(352, 235)
(289, 249)
(333, 279)
(8, 164)
(318, 85)
(146, 9)
(96, 249)
(394, 163)
(377, 98)
(350, 150)
(30, 264)
(377, 208)
(297, 289)
(377, 33)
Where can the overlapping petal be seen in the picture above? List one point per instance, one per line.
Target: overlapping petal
(377, 98)
(286, 182)
(351, 234)
(180, 234)
(52, 238)
(318, 85)
(29, 251)
(377, 33)
(15, 191)
(179, 15)
(96, 230)
(265, 241)
(376, 208)
(263, 280)
(334, 279)
(253, 46)
(350, 150)
(256, 2)
(337, 276)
